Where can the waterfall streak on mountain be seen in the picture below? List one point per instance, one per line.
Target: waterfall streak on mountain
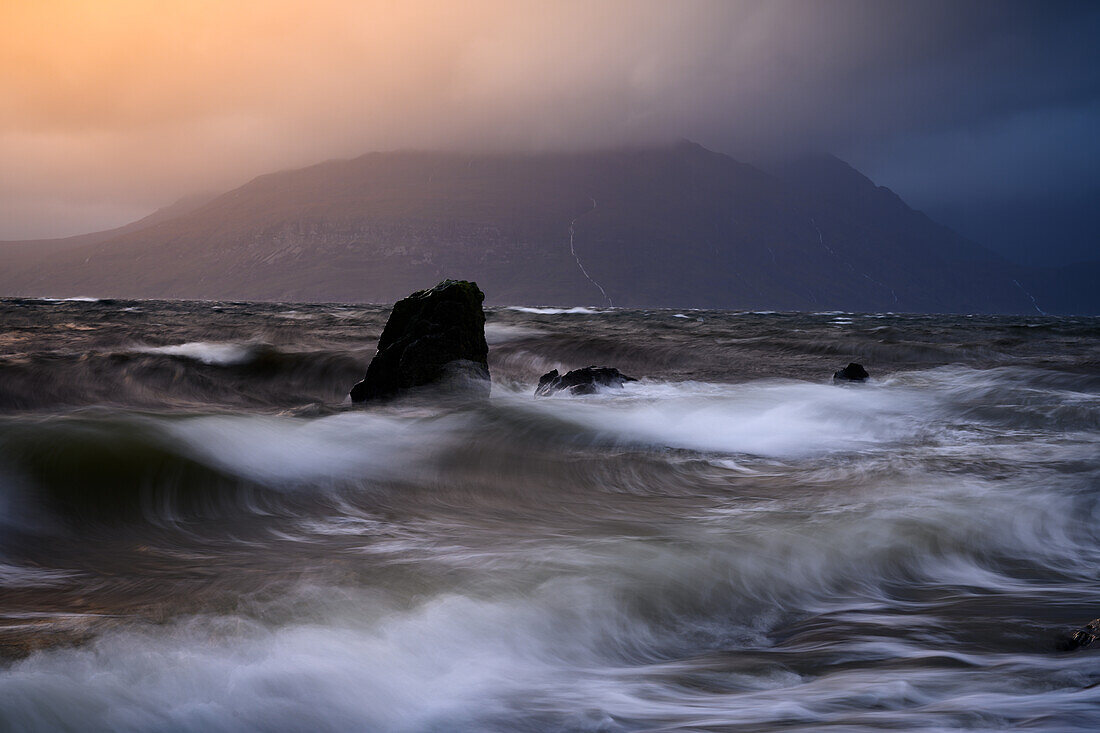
(1033, 301)
(821, 241)
(572, 233)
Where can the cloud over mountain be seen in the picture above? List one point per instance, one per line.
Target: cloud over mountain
(113, 108)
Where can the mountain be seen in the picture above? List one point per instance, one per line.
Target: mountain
(23, 257)
(677, 226)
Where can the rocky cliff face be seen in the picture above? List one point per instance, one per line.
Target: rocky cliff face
(676, 226)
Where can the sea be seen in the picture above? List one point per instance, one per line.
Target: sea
(198, 532)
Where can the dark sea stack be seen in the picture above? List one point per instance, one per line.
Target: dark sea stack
(851, 373)
(581, 381)
(1085, 636)
(433, 338)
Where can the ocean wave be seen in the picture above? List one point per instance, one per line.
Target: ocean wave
(500, 333)
(732, 542)
(770, 418)
(554, 311)
(193, 374)
(756, 618)
(220, 354)
(158, 469)
(295, 453)
(16, 577)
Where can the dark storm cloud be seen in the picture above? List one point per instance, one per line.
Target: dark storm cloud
(1002, 143)
(125, 105)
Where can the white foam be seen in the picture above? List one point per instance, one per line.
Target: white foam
(22, 576)
(78, 299)
(499, 333)
(578, 649)
(441, 666)
(776, 418)
(553, 311)
(207, 352)
(286, 452)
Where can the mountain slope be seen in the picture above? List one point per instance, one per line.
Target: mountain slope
(30, 252)
(675, 226)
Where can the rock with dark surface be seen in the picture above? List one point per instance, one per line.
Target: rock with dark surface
(433, 337)
(1085, 636)
(851, 373)
(581, 381)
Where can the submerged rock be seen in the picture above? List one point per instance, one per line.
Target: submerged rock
(581, 381)
(1085, 636)
(433, 338)
(851, 373)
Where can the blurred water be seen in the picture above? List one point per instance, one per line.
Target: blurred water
(197, 534)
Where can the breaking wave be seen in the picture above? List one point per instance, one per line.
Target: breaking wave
(205, 538)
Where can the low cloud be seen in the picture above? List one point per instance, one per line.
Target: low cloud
(125, 105)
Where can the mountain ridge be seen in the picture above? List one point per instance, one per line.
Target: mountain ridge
(676, 226)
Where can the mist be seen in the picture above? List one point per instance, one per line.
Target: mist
(110, 110)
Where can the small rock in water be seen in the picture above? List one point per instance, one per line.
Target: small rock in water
(1082, 637)
(433, 337)
(851, 373)
(581, 381)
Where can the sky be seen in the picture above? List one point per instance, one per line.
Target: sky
(984, 113)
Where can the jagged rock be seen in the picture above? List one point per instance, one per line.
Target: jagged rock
(433, 337)
(851, 373)
(1082, 637)
(581, 381)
